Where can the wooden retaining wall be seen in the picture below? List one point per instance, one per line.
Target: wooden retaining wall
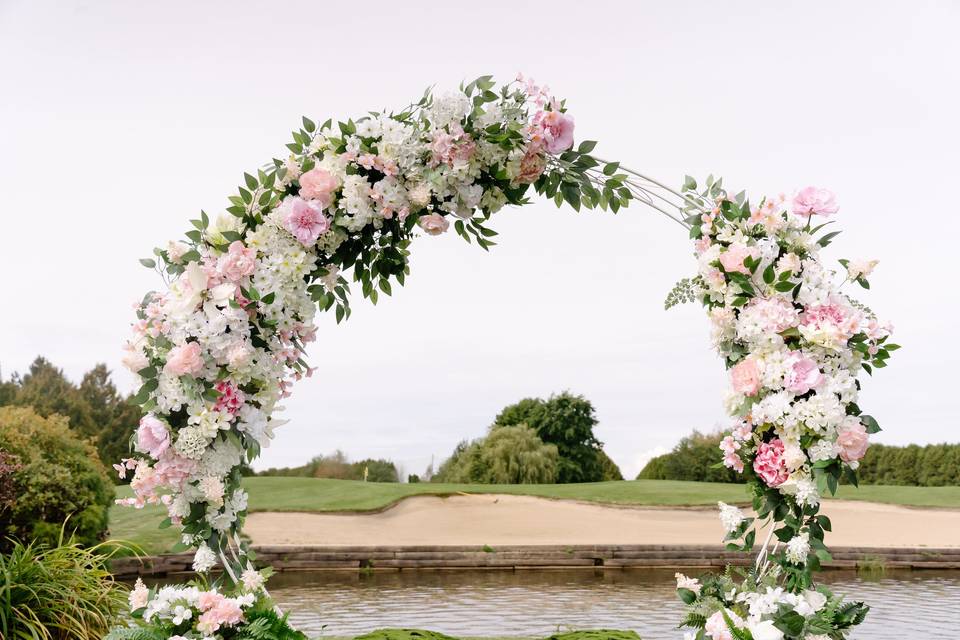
(292, 558)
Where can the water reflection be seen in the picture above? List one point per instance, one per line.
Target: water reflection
(918, 604)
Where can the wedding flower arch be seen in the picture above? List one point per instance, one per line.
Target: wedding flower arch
(223, 343)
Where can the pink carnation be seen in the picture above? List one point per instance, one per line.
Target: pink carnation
(184, 360)
(153, 438)
(811, 201)
(231, 398)
(853, 442)
(433, 223)
(318, 184)
(769, 463)
(238, 262)
(305, 220)
(803, 373)
(745, 377)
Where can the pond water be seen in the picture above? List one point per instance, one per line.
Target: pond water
(919, 604)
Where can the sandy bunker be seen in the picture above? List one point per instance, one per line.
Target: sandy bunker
(525, 520)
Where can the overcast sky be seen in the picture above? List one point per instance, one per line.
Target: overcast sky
(120, 120)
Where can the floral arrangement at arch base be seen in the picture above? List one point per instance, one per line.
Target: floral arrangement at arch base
(221, 346)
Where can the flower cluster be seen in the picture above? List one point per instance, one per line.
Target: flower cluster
(726, 608)
(220, 347)
(199, 612)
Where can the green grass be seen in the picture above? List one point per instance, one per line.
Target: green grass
(322, 495)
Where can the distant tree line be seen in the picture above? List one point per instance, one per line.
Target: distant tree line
(337, 466)
(695, 458)
(534, 441)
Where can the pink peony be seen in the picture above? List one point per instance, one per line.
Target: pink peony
(238, 262)
(153, 438)
(531, 167)
(811, 201)
(318, 184)
(433, 223)
(305, 220)
(853, 442)
(803, 373)
(557, 131)
(732, 259)
(745, 377)
(769, 463)
(184, 360)
(716, 627)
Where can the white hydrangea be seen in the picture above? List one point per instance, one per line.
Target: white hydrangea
(204, 559)
(730, 517)
(798, 548)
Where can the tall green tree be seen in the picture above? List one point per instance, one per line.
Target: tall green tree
(567, 421)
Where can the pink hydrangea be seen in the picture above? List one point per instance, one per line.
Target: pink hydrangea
(803, 373)
(451, 148)
(238, 262)
(811, 201)
(745, 377)
(771, 315)
(304, 219)
(769, 464)
(318, 184)
(185, 359)
(231, 398)
(153, 437)
(433, 223)
(731, 459)
(853, 442)
(218, 612)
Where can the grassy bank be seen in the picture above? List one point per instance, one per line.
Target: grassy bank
(321, 495)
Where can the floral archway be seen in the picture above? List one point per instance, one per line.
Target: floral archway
(223, 343)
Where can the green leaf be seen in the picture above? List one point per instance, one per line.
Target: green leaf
(587, 146)
(870, 423)
(769, 274)
(827, 238)
(611, 168)
(149, 263)
(687, 595)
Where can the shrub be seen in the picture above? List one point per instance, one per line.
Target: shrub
(608, 467)
(508, 455)
(60, 592)
(694, 458)
(58, 477)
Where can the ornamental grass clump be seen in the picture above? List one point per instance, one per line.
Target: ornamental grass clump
(59, 592)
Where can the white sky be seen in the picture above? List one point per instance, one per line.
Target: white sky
(120, 120)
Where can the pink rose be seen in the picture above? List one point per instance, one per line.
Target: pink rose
(557, 131)
(745, 377)
(811, 201)
(803, 373)
(769, 463)
(153, 438)
(238, 262)
(531, 167)
(433, 223)
(732, 259)
(318, 184)
(853, 442)
(184, 360)
(305, 220)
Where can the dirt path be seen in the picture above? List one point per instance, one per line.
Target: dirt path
(523, 520)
